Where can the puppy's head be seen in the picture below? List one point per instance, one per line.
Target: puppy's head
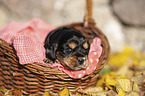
(69, 46)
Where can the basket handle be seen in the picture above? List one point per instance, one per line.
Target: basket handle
(88, 14)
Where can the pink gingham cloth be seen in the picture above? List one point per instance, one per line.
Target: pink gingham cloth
(28, 40)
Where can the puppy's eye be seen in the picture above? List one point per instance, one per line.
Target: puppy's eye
(72, 45)
(85, 45)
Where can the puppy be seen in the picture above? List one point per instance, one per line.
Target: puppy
(69, 47)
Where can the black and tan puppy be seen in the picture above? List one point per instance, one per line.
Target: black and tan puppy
(69, 47)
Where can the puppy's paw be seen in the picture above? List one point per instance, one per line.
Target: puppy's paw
(46, 60)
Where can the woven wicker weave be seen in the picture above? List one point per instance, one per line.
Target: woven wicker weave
(38, 78)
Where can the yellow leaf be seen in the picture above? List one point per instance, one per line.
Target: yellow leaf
(135, 87)
(130, 74)
(8, 93)
(128, 50)
(64, 92)
(3, 89)
(132, 94)
(107, 78)
(110, 81)
(142, 62)
(100, 82)
(77, 94)
(121, 77)
(138, 79)
(93, 90)
(113, 75)
(120, 91)
(124, 84)
(136, 57)
(135, 61)
(120, 58)
(46, 93)
(101, 95)
(122, 70)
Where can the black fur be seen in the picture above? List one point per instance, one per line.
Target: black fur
(57, 41)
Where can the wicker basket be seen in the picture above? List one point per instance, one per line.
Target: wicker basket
(37, 78)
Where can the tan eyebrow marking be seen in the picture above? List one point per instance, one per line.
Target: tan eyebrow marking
(85, 45)
(72, 45)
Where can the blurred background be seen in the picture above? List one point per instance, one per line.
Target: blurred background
(122, 21)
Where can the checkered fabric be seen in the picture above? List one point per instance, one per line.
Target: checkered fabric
(28, 40)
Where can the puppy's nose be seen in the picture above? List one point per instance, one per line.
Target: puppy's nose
(81, 61)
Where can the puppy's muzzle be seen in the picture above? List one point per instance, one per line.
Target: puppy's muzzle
(82, 61)
(76, 63)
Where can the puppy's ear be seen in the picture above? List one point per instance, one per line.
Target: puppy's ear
(51, 52)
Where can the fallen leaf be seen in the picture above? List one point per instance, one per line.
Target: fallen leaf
(119, 59)
(121, 77)
(135, 87)
(138, 78)
(136, 58)
(64, 92)
(46, 93)
(3, 89)
(122, 70)
(106, 79)
(124, 84)
(110, 81)
(93, 90)
(130, 74)
(133, 94)
(120, 91)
